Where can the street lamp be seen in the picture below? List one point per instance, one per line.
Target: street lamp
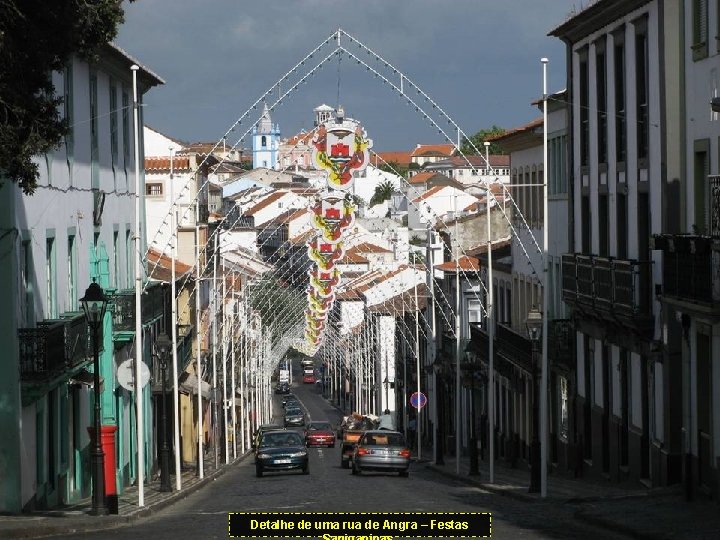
(164, 349)
(534, 327)
(94, 305)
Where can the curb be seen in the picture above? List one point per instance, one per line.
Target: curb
(111, 522)
(613, 526)
(488, 487)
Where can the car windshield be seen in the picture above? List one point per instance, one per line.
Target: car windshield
(282, 439)
(383, 439)
(290, 412)
(320, 426)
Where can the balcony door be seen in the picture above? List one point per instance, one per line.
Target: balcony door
(704, 411)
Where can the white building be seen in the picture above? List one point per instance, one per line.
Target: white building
(78, 227)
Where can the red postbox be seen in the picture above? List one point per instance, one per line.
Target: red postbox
(107, 441)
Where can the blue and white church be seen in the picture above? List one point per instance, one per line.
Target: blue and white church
(265, 142)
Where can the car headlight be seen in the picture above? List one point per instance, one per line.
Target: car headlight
(263, 456)
(298, 454)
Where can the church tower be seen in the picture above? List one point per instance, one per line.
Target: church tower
(266, 138)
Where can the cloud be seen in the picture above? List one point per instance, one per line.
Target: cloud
(479, 60)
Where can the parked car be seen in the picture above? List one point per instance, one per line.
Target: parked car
(282, 388)
(294, 417)
(281, 451)
(381, 450)
(292, 403)
(262, 428)
(320, 434)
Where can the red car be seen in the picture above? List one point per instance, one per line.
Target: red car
(309, 378)
(320, 434)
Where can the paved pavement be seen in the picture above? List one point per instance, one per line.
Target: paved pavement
(76, 518)
(639, 513)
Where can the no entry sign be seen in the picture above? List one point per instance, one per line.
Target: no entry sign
(418, 400)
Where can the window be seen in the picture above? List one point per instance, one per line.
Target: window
(699, 29)
(701, 169)
(113, 128)
(603, 224)
(128, 258)
(154, 189)
(72, 273)
(126, 129)
(474, 307)
(601, 88)
(641, 91)
(94, 158)
(584, 112)
(116, 258)
(620, 120)
(563, 412)
(50, 279)
(263, 141)
(26, 272)
(68, 114)
(557, 148)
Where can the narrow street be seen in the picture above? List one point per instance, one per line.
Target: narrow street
(331, 488)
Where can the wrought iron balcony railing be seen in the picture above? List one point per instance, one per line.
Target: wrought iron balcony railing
(689, 264)
(54, 346)
(607, 286)
(124, 313)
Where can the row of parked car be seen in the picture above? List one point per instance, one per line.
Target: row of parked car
(364, 447)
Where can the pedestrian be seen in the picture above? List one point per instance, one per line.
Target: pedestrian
(412, 428)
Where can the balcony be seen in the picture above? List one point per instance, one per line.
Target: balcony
(612, 290)
(153, 303)
(515, 347)
(689, 264)
(54, 346)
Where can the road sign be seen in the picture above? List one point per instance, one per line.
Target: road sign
(418, 400)
(126, 374)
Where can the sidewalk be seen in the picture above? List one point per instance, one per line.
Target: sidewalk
(76, 519)
(660, 513)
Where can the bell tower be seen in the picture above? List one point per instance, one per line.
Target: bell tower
(265, 142)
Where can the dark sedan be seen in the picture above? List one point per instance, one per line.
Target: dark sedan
(381, 450)
(281, 451)
(320, 434)
(294, 417)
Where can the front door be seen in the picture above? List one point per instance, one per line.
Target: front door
(704, 411)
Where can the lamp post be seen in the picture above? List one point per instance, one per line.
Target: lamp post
(94, 305)
(534, 327)
(474, 471)
(164, 346)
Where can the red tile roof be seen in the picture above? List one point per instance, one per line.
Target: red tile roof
(267, 201)
(530, 126)
(429, 193)
(366, 247)
(380, 158)
(161, 265)
(466, 264)
(162, 164)
(433, 150)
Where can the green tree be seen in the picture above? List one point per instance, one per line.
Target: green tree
(479, 138)
(383, 192)
(38, 37)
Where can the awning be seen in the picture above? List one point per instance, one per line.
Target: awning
(84, 377)
(190, 383)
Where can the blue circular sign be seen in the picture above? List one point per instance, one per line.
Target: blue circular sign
(418, 400)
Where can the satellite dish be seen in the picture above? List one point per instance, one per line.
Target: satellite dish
(126, 374)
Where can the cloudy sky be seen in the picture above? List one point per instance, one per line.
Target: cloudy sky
(479, 60)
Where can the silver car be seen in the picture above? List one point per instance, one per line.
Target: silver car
(381, 450)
